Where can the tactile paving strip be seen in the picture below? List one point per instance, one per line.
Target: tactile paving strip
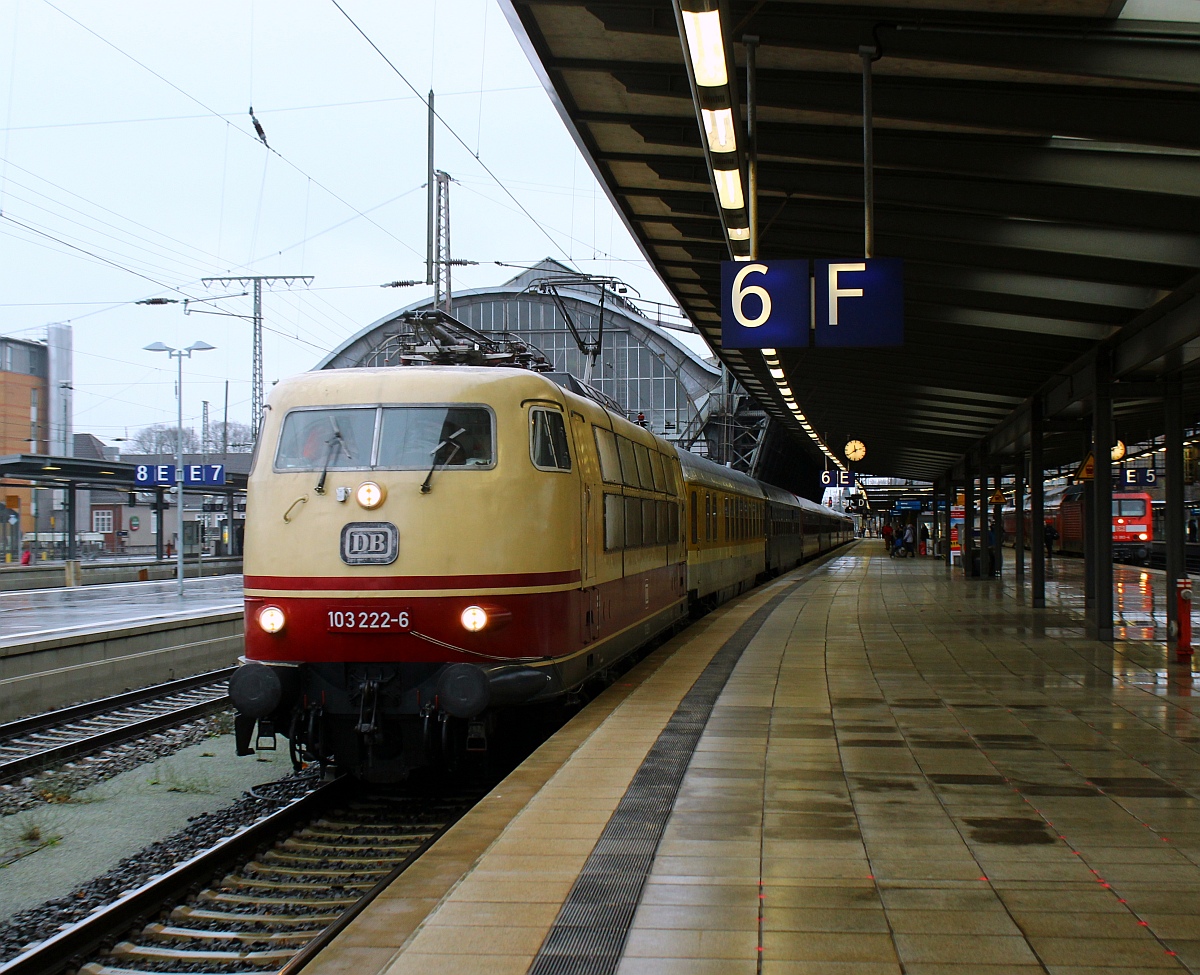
(589, 933)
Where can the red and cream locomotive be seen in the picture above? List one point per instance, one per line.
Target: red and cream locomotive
(427, 545)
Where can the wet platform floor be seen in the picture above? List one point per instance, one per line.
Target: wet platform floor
(905, 772)
(33, 614)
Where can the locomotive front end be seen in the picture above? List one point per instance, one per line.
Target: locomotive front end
(401, 579)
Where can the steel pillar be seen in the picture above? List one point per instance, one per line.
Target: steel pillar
(968, 529)
(72, 551)
(1037, 507)
(1019, 520)
(1173, 523)
(1102, 550)
(997, 559)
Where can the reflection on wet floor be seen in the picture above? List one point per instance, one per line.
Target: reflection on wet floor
(31, 613)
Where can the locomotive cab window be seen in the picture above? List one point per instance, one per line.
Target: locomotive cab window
(548, 441)
(338, 439)
(1129, 508)
(414, 437)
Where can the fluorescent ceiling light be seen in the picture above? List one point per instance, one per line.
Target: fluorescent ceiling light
(786, 390)
(741, 257)
(776, 373)
(740, 233)
(718, 126)
(729, 188)
(706, 47)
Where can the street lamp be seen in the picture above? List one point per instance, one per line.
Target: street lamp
(179, 354)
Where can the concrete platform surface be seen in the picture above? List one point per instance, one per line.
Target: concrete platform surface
(906, 772)
(32, 615)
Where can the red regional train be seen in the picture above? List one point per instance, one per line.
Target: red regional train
(429, 545)
(1132, 522)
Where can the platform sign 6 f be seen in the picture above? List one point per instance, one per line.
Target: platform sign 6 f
(764, 304)
(837, 478)
(859, 304)
(164, 474)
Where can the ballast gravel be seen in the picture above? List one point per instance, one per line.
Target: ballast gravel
(60, 784)
(39, 923)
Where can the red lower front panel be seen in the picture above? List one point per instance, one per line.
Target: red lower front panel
(376, 629)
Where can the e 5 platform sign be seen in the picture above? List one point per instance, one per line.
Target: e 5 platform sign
(844, 304)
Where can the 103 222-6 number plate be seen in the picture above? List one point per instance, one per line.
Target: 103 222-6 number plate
(386, 620)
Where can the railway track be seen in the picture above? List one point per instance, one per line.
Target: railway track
(282, 890)
(45, 740)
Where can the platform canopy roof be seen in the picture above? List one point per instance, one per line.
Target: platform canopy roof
(1036, 167)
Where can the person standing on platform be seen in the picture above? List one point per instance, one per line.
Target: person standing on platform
(924, 539)
(886, 534)
(1050, 533)
(910, 541)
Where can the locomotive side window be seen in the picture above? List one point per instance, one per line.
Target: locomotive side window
(656, 468)
(313, 440)
(629, 468)
(414, 437)
(645, 474)
(614, 522)
(548, 441)
(633, 522)
(610, 459)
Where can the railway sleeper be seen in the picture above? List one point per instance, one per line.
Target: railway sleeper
(168, 932)
(250, 883)
(258, 868)
(366, 857)
(128, 951)
(418, 833)
(275, 903)
(403, 846)
(196, 915)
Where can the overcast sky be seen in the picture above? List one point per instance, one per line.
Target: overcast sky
(126, 135)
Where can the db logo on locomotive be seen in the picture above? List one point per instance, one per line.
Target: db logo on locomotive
(370, 543)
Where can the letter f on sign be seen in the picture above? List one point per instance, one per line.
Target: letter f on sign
(835, 292)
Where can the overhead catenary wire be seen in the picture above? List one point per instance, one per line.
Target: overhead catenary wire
(449, 128)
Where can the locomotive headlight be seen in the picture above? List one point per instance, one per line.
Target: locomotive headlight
(370, 495)
(474, 619)
(271, 619)
(1143, 537)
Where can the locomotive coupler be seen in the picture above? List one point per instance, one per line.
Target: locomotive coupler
(370, 701)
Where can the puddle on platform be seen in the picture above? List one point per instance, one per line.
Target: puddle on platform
(1009, 831)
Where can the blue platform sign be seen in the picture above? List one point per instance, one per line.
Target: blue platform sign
(193, 474)
(1136, 477)
(908, 504)
(859, 304)
(764, 304)
(838, 478)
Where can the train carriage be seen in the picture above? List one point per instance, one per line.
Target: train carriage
(427, 545)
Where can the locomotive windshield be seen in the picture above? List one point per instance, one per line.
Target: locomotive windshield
(1129, 507)
(397, 438)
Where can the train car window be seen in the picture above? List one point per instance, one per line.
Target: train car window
(1129, 507)
(610, 460)
(548, 441)
(411, 438)
(645, 472)
(633, 522)
(629, 469)
(312, 440)
(707, 517)
(614, 522)
(726, 513)
(649, 522)
(695, 498)
(656, 468)
(673, 512)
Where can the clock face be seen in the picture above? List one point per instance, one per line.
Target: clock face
(855, 450)
(1118, 450)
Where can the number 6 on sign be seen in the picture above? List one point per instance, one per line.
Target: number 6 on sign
(764, 305)
(739, 295)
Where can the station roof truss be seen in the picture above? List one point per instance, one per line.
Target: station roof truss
(1036, 171)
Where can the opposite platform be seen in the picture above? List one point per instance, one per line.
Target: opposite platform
(905, 772)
